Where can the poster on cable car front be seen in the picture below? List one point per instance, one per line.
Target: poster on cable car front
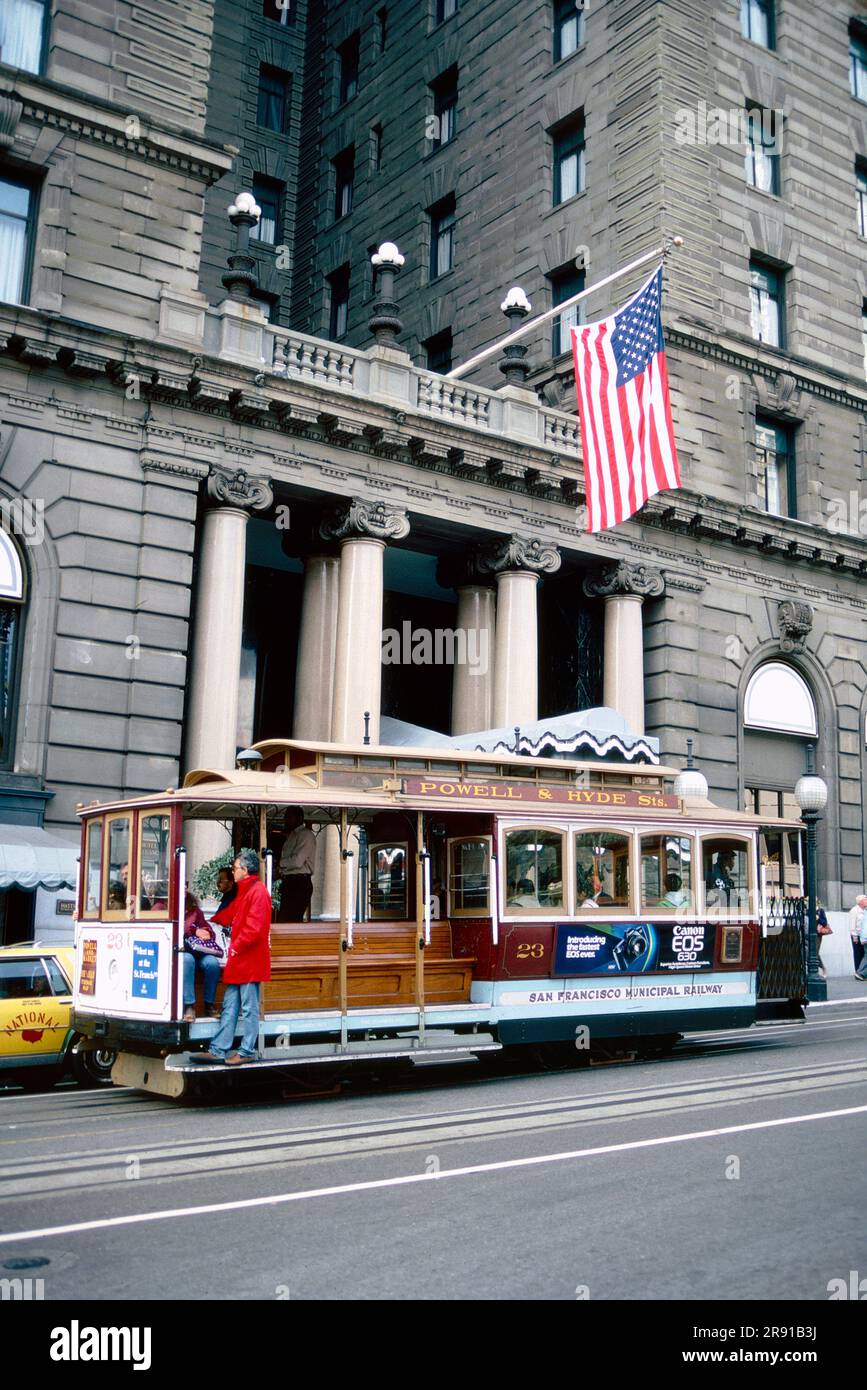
(631, 948)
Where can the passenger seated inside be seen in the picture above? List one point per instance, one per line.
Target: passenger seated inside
(675, 896)
(523, 894)
(203, 954)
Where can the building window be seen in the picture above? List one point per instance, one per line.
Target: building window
(569, 159)
(268, 303)
(344, 185)
(23, 31)
(348, 56)
(381, 29)
(442, 237)
(444, 124)
(273, 107)
(766, 304)
(762, 159)
(757, 22)
(864, 333)
(445, 9)
(778, 698)
(568, 28)
(279, 10)
(858, 63)
(375, 148)
(16, 237)
(269, 195)
(339, 293)
(438, 352)
(775, 457)
(11, 611)
(565, 283)
(861, 193)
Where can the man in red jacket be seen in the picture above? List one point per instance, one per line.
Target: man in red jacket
(248, 964)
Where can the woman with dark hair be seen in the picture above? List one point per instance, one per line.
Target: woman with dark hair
(203, 954)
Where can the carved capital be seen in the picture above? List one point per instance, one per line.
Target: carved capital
(796, 622)
(619, 579)
(239, 490)
(358, 519)
(519, 553)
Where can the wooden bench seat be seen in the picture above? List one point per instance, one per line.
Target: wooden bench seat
(380, 967)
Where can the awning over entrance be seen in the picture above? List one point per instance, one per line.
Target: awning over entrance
(596, 732)
(34, 858)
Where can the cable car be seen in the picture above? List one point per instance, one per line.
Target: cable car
(468, 901)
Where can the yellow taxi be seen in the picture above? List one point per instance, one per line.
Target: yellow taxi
(36, 1038)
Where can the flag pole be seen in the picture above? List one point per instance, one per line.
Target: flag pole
(558, 309)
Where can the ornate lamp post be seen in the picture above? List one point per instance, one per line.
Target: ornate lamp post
(811, 794)
(386, 324)
(516, 306)
(240, 278)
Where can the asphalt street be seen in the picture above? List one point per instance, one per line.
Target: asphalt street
(732, 1170)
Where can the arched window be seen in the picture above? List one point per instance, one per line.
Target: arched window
(778, 699)
(11, 606)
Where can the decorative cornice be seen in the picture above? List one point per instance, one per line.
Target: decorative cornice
(360, 519)
(796, 622)
(150, 464)
(519, 553)
(620, 579)
(239, 490)
(146, 141)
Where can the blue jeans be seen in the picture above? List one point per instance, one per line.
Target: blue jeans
(243, 1000)
(210, 968)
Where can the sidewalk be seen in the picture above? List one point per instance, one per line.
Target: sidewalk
(850, 989)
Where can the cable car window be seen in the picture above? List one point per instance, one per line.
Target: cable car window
(388, 881)
(725, 870)
(666, 873)
(116, 882)
(92, 869)
(534, 870)
(468, 876)
(602, 873)
(153, 858)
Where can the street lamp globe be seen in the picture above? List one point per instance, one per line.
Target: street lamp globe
(811, 794)
(245, 205)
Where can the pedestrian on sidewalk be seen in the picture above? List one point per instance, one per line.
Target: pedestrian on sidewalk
(861, 972)
(248, 965)
(823, 928)
(856, 917)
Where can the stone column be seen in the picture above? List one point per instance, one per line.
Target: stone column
(212, 713)
(473, 680)
(363, 530)
(518, 564)
(624, 588)
(314, 690)
(317, 645)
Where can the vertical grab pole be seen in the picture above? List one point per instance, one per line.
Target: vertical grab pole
(422, 925)
(344, 942)
(495, 902)
(266, 873)
(177, 953)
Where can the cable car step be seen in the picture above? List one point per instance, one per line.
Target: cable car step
(358, 1050)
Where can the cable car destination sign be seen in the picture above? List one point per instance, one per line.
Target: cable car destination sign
(533, 794)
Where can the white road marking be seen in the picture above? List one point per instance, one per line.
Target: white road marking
(282, 1198)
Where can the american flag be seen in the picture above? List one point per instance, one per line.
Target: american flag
(623, 403)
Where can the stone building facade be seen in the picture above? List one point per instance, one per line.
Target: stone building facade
(220, 507)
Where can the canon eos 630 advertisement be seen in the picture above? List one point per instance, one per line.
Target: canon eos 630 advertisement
(627, 948)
